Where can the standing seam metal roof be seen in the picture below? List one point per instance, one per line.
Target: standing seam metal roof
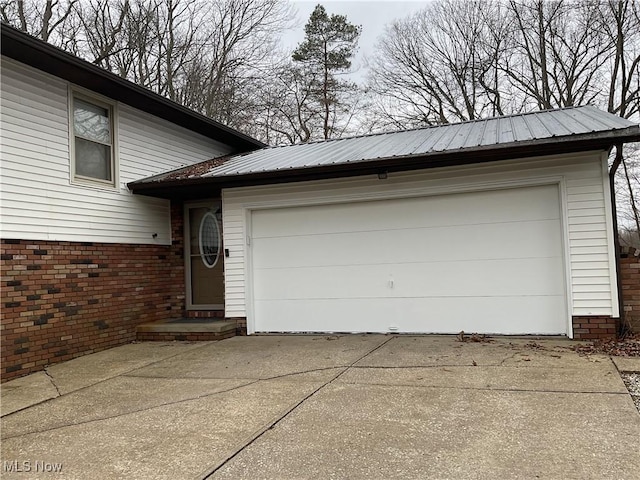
(466, 136)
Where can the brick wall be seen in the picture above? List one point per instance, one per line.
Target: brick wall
(630, 273)
(241, 324)
(183, 337)
(602, 327)
(594, 327)
(61, 300)
(205, 314)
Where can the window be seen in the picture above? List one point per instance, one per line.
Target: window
(209, 240)
(92, 137)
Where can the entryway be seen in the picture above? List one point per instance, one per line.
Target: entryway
(204, 281)
(204, 264)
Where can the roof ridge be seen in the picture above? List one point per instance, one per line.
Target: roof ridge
(427, 127)
(531, 134)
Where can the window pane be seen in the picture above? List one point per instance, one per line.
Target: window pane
(93, 159)
(195, 218)
(91, 121)
(209, 240)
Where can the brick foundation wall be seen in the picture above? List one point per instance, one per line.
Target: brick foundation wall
(205, 314)
(61, 300)
(594, 328)
(630, 273)
(189, 337)
(241, 324)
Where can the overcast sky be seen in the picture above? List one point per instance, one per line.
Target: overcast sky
(371, 15)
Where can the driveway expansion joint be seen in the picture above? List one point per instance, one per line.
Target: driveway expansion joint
(52, 381)
(396, 418)
(126, 373)
(200, 377)
(208, 475)
(124, 414)
(484, 389)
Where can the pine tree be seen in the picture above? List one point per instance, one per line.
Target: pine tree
(330, 43)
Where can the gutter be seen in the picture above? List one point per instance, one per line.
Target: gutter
(616, 237)
(155, 186)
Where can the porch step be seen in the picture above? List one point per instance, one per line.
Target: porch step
(190, 329)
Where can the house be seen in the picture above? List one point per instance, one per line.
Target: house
(121, 209)
(502, 225)
(83, 259)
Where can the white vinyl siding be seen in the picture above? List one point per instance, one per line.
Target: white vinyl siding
(39, 202)
(580, 176)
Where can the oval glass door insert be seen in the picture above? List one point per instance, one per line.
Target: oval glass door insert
(210, 240)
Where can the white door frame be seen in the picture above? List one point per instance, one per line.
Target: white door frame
(187, 254)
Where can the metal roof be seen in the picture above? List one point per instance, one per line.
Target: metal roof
(529, 134)
(45, 57)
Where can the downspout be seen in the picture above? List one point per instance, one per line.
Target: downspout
(616, 238)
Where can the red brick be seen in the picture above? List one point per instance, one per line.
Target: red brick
(134, 285)
(599, 320)
(591, 328)
(630, 277)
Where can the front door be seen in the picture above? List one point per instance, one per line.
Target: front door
(203, 255)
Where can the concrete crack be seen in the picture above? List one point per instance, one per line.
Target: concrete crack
(408, 367)
(53, 382)
(98, 382)
(275, 377)
(510, 357)
(124, 414)
(209, 474)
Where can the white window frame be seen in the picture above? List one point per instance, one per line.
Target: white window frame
(112, 107)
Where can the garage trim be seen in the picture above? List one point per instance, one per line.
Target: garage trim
(400, 193)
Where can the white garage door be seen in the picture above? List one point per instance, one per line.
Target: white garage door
(487, 262)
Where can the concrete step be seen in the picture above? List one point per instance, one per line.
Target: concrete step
(191, 329)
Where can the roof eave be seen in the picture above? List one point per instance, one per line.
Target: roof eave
(197, 186)
(47, 58)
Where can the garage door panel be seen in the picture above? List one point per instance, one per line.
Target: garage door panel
(454, 279)
(532, 315)
(445, 210)
(410, 245)
(488, 262)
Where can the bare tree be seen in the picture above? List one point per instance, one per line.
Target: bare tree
(557, 55)
(236, 45)
(38, 18)
(627, 192)
(441, 64)
(458, 60)
(620, 21)
(205, 54)
(98, 33)
(293, 116)
(464, 60)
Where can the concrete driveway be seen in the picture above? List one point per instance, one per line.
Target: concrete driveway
(354, 406)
